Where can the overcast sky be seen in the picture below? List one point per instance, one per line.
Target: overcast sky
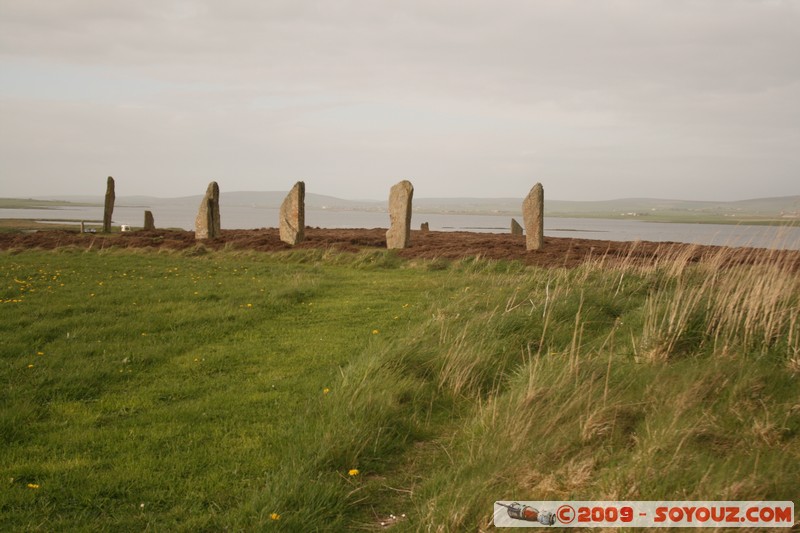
(688, 99)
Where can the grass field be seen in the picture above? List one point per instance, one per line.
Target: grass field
(28, 203)
(316, 390)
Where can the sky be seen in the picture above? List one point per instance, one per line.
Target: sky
(600, 99)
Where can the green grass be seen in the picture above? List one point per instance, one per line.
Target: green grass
(168, 380)
(222, 390)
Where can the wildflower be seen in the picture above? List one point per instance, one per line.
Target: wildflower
(249, 305)
(39, 353)
(275, 516)
(30, 366)
(375, 331)
(33, 486)
(326, 390)
(353, 472)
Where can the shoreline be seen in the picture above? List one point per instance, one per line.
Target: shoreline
(751, 220)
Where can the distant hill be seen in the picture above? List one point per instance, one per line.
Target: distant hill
(232, 199)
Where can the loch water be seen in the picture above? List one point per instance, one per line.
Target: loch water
(243, 217)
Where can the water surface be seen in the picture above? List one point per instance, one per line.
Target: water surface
(242, 217)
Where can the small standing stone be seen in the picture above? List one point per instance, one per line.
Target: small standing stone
(293, 215)
(399, 215)
(149, 222)
(533, 216)
(207, 224)
(109, 205)
(516, 229)
(83, 226)
(424, 227)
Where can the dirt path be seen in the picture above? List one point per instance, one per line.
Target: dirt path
(557, 252)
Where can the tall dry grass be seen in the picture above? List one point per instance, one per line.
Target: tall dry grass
(670, 379)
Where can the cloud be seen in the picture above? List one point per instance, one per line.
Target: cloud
(468, 97)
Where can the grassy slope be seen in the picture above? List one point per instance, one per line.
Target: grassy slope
(194, 384)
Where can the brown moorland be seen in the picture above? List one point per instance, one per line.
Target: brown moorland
(557, 252)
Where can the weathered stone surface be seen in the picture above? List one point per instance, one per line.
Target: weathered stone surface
(399, 215)
(424, 227)
(293, 215)
(533, 216)
(207, 224)
(516, 229)
(109, 205)
(149, 221)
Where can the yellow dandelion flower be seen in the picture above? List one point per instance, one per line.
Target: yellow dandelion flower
(326, 390)
(39, 353)
(30, 366)
(353, 472)
(375, 331)
(33, 485)
(275, 516)
(249, 305)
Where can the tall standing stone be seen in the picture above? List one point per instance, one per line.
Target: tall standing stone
(399, 215)
(109, 205)
(516, 229)
(149, 222)
(207, 224)
(533, 216)
(293, 215)
(424, 227)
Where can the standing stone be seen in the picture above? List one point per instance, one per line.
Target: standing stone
(533, 216)
(83, 226)
(516, 229)
(149, 222)
(207, 225)
(424, 227)
(399, 215)
(293, 215)
(109, 207)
